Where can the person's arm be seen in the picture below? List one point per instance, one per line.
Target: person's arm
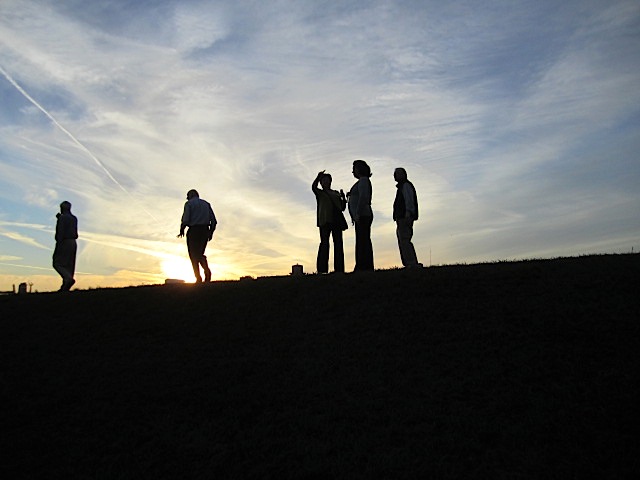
(364, 199)
(410, 207)
(314, 185)
(185, 219)
(343, 200)
(74, 225)
(212, 222)
(58, 227)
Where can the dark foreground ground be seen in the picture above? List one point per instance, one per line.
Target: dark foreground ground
(508, 370)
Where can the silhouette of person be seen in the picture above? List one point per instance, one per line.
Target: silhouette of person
(330, 205)
(64, 254)
(362, 215)
(405, 212)
(199, 217)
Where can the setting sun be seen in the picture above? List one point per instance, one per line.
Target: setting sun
(178, 268)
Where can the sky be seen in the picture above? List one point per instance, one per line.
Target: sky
(517, 121)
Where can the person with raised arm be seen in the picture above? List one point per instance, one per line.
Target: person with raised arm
(330, 222)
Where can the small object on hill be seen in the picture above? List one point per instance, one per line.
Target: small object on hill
(173, 281)
(297, 269)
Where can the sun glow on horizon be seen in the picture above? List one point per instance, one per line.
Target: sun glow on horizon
(177, 268)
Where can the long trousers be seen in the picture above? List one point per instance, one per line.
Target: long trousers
(364, 248)
(197, 238)
(64, 260)
(322, 263)
(404, 232)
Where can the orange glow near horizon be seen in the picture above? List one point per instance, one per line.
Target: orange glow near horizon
(177, 268)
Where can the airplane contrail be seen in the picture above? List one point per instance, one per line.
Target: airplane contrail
(32, 267)
(70, 135)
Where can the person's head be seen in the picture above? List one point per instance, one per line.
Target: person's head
(65, 207)
(400, 174)
(361, 169)
(325, 181)
(192, 194)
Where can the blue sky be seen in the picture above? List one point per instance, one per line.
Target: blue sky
(518, 122)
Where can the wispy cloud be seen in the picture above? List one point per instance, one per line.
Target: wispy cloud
(18, 237)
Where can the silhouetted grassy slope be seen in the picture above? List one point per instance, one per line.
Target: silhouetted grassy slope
(507, 370)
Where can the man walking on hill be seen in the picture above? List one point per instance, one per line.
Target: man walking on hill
(199, 217)
(64, 255)
(405, 212)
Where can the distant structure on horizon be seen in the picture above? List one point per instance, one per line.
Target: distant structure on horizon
(22, 288)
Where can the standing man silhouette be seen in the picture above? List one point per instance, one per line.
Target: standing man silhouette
(405, 212)
(64, 254)
(199, 217)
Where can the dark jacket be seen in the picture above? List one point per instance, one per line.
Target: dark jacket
(400, 203)
(66, 227)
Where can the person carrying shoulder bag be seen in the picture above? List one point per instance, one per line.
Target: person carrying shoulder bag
(330, 221)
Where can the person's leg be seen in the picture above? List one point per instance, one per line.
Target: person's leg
(61, 260)
(404, 232)
(364, 248)
(399, 237)
(359, 256)
(205, 267)
(367, 246)
(201, 238)
(193, 247)
(58, 265)
(338, 249)
(322, 262)
(72, 247)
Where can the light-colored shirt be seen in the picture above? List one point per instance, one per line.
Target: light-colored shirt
(360, 199)
(198, 212)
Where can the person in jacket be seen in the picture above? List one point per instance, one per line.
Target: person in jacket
(330, 221)
(405, 212)
(199, 217)
(64, 254)
(362, 215)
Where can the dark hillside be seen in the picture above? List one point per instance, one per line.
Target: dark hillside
(505, 370)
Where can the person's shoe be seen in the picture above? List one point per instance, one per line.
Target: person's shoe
(207, 276)
(66, 285)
